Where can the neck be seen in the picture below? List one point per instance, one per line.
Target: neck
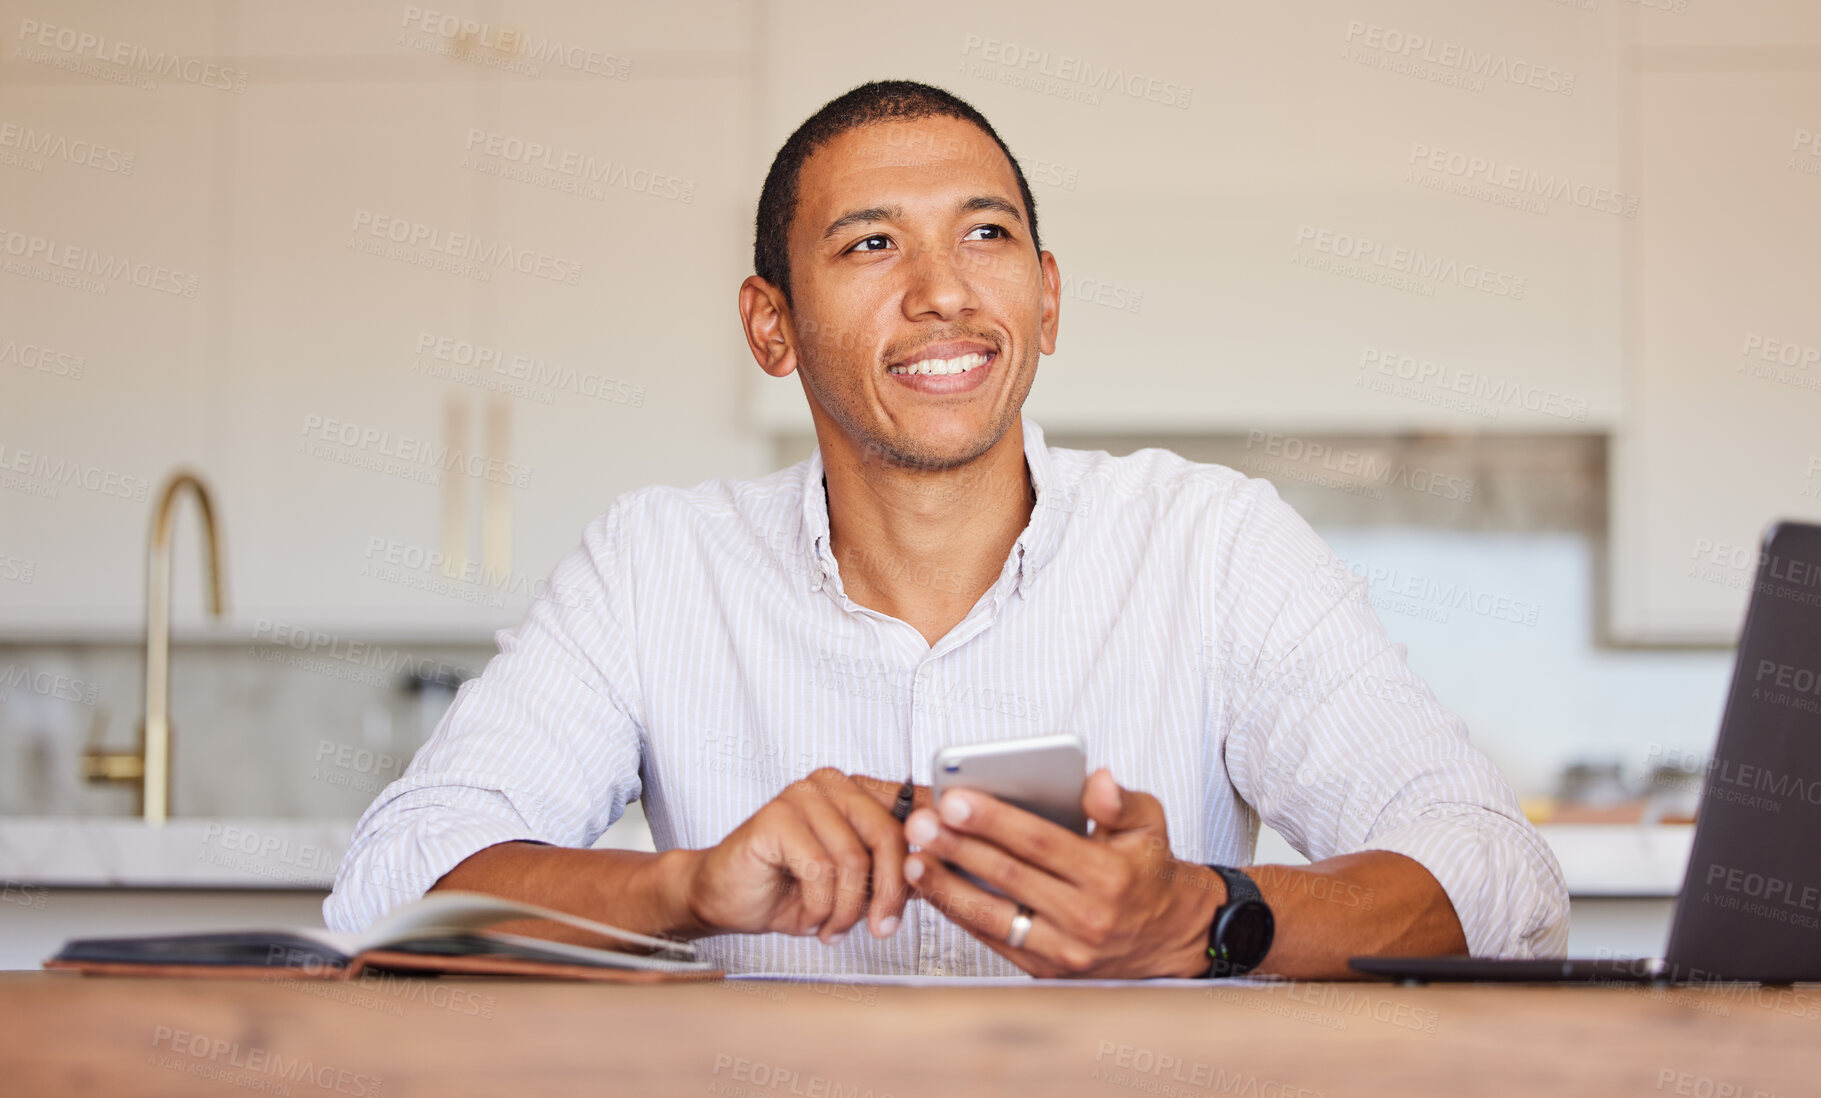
(924, 544)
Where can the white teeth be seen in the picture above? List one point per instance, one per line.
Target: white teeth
(961, 364)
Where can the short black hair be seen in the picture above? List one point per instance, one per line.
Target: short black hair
(879, 101)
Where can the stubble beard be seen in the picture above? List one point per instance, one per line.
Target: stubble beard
(840, 398)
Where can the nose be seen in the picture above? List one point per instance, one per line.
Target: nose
(941, 284)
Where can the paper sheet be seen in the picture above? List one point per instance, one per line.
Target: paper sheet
(919, 980)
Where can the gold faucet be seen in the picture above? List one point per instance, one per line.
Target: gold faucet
(150, 766)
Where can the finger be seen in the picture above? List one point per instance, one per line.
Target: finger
(886, 792)
(866, 803)
(884, 838)
(853, 863)
(1101, 799)
(1047, 949)
(1027, 884)
(790, 846)
(1114, 809)
(1026, 835)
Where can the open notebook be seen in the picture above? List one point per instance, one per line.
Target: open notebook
(442, 933)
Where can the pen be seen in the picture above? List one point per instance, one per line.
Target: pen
(906, 794)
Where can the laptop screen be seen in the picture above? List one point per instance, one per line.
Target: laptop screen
(1750, 907)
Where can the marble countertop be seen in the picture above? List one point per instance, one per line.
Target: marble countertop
(250, 854)
(1598, 860)
(245, 854)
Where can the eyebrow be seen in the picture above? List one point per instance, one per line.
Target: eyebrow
(872, 214)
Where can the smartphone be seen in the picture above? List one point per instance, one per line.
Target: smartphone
(1044, 775)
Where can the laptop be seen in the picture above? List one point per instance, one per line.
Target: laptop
(1750, 907)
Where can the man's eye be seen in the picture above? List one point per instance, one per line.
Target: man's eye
(998, 232)
(880, 238)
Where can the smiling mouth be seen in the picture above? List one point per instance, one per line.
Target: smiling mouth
(960, 364)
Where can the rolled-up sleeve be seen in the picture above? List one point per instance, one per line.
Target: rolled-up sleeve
(1338, 745)
(542, 746)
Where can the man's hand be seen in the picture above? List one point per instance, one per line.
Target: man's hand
(1114, 904)
(815, 860)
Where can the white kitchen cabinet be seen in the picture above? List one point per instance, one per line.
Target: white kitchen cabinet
(564, 394)
(1724, 367)
(105, 313)
(372, 220)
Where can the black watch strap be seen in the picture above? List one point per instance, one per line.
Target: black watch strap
(1239, 885)
(1240, 936)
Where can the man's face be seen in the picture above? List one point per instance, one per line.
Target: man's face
(920, 305)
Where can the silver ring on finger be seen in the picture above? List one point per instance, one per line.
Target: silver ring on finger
(1021, 928)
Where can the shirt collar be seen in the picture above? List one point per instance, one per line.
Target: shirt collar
(1035, 546)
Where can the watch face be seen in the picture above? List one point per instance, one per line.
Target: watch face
(1245, 934)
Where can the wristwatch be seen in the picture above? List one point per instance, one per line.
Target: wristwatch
(1243, 927)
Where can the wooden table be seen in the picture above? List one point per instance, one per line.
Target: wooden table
(63, 1034)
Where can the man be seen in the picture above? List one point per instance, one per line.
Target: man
(763, 662)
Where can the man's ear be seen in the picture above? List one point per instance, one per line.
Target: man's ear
(1052, 303)
(765, 317)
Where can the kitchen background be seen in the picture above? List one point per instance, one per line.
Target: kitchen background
(1515, 302)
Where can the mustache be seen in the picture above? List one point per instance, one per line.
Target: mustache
(903, 351)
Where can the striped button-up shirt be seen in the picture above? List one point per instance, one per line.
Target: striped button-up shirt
(698, 652)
